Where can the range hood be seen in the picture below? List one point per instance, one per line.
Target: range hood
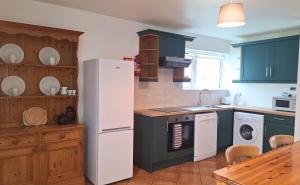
(174, 62)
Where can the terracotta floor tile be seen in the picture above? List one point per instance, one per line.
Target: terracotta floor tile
(163, 183)
(208, 180)
(199, 173)
(125, 182)
(192, 178)
(190, 167)
(165, 176)
(139, 183)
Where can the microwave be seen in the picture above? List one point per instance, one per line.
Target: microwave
(282, 103)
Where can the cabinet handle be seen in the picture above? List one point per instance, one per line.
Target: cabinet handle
(270, 71)
(44, 148)
(36, 149)
(15, 142)
(265, 131)
(279, 119)
(267, 69)
(61, 136)
(167, 126)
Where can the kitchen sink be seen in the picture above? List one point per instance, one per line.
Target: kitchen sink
(201, 107)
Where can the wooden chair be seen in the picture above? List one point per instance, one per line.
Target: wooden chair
(238, 153)
(280, 140)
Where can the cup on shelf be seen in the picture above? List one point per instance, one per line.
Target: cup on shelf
(73, 92)
(52, 61)
(15, 91)
(12, 58)
(70, 92)
(63, 91)
(52, 91)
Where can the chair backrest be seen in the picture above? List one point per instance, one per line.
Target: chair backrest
(280, 140)
(238, 153)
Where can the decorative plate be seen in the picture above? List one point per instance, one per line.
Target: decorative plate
(11, 53)
(35, 116)
(46, 53)
(11, 82)
(47, 83)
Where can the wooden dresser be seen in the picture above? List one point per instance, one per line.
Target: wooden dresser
(45, 155)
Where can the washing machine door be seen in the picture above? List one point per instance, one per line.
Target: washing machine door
(247, 133)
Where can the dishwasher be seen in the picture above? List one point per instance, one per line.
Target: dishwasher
(205, 136)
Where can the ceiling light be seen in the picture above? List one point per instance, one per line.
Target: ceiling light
(231, 15)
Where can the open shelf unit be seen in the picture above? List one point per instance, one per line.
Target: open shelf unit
(32, 39)
(149, 53)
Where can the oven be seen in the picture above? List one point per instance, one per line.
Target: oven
(180, 132)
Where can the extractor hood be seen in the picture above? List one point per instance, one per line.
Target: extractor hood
(174, 62)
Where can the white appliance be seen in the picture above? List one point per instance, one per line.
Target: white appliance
(283, 103)
(205, 138)
(248, 129)
(108, 114)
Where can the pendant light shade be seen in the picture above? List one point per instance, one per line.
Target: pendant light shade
(231, 15)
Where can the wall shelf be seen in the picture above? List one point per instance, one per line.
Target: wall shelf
(39, 96)
(37, 65)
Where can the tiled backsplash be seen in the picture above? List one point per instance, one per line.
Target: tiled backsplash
(165, 93)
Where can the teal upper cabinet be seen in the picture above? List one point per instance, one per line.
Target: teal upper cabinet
(270, 61)
(254, 62)
(284, 60)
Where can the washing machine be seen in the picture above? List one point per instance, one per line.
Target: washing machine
(248, 129)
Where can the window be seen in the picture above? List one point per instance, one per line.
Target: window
(205, 71)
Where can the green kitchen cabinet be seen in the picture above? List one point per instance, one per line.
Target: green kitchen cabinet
(269, 61)
(151, 144)
(254, 62)
(284, 60)
(225, 129)
(274, 125)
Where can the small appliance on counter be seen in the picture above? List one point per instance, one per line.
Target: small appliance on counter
(284, 103)
(226, 100)
(237, 100)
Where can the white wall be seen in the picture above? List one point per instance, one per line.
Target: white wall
(165, 93)
(104, 36)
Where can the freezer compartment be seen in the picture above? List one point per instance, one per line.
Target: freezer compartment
(115, 156)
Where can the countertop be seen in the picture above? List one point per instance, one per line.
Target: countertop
(153, 113)
(277, 167)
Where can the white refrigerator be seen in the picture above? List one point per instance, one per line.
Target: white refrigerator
(108, 115)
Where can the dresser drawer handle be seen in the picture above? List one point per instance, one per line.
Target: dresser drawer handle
(62, 136)
(44, 148)
(36, 149)
(15, 142)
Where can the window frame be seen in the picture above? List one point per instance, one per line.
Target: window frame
(203, 54)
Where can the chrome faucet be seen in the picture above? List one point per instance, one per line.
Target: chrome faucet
(201, 92)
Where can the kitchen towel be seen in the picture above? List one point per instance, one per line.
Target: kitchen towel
(177, 136)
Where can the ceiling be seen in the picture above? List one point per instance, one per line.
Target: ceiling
(197, 16)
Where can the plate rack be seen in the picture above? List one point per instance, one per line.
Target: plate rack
(32, 39)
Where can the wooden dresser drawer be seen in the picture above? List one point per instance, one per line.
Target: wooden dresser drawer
(57, 136)
(18, 141)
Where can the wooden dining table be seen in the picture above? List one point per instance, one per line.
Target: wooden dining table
(277, 167)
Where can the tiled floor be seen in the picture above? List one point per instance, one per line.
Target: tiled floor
(189, 173)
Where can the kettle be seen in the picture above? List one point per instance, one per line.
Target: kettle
(68, 117)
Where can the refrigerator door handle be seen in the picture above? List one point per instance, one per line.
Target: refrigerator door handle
(116, 129)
